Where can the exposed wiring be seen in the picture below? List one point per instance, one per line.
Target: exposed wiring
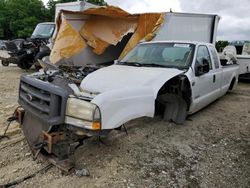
(15, 182)
(44, 169)
(10, 119)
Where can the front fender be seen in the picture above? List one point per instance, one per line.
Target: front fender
(122, 105)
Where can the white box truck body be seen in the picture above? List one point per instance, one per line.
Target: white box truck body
(174, 26)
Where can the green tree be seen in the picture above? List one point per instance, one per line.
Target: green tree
(19, 17)
(220, 45)
(4, 20)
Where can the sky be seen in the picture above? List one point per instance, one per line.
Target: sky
(235, 15)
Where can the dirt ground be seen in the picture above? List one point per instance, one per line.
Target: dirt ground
(212, 148)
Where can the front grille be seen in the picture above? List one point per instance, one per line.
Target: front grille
(40, 100)
(43, 99)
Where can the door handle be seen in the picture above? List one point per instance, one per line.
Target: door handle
(214, 78)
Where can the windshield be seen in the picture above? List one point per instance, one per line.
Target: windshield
(43, 31)
(176, 55)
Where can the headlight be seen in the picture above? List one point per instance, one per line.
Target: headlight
(85, 112)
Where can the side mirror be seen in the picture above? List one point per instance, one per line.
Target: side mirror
(116, 61)
(202, 68)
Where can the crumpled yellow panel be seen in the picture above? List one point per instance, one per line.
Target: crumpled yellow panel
(68, 43)
(102, 31)
(106, 26)
(151, 35)
(98, 45)
(147, 26)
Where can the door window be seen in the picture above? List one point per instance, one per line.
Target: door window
(203, 53)
(215, 57)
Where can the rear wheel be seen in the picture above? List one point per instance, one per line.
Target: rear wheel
(5, 63)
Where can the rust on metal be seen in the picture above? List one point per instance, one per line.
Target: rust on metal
(52, 138)
(19, 114)
(65, 165)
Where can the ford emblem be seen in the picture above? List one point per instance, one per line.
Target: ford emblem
(29, 97)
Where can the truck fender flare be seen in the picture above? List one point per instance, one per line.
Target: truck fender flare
(232, 83)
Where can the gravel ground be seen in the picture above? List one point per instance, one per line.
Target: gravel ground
(212, 148)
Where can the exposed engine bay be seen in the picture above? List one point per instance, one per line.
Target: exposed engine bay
(72, 74)
(44, 97)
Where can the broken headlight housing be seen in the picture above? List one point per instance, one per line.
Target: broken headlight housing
(83, 114)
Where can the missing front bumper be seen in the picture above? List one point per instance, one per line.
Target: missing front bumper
(55, 143)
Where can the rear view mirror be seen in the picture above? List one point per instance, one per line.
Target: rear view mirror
(202, 68)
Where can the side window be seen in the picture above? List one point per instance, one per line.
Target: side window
(215, 57)
(203, 53)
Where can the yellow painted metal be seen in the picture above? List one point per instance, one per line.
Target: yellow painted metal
(105, 26)
(68, 43)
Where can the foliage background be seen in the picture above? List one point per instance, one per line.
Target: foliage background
(18, 18)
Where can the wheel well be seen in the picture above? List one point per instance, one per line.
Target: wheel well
(178, 85)
(232, 83)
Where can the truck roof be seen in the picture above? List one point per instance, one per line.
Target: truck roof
(176, 41)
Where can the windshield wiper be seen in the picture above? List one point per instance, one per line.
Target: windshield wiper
(131, 63)
(38, 36)
(154, 65)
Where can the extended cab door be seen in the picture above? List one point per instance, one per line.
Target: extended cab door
(206, 86)
(218, 72)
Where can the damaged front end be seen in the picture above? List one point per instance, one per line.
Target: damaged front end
(57, 114)
(54, 120)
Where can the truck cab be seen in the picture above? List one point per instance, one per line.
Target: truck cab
(44, 30)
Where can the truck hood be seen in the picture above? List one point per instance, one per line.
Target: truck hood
(121, 76)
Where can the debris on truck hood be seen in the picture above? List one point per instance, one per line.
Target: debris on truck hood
(97, 30)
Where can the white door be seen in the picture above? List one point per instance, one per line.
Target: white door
(205, 86)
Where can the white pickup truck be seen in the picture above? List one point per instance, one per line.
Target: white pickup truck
(179, 77)
(172, 78)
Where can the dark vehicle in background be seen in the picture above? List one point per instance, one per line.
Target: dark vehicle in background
(2, 46)
(27, 52)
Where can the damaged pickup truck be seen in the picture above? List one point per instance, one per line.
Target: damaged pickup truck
(172, 78)
(63, 105)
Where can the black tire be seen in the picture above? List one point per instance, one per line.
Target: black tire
(25, 65)
(5, 63)
(40, 55)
